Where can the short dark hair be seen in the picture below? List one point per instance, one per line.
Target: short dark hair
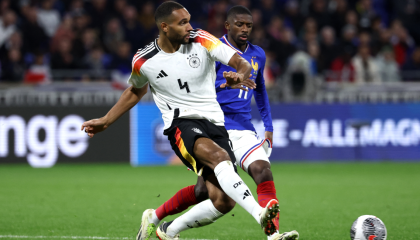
(238, 9)
(165, 9)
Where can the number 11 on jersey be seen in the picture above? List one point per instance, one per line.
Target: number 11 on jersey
(240, 93)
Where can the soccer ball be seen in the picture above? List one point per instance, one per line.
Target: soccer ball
(368, 227)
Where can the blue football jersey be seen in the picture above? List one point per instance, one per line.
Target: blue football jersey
(236, 103)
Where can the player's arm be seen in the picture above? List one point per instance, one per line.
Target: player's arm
(261, 98)
(221, 83)
(243, 70)
(130, 97)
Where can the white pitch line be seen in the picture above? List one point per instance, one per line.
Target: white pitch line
(81, 237)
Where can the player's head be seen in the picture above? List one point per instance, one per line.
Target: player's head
(239, 24)
(173, 21)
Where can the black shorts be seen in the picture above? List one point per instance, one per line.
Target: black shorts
(184, 132)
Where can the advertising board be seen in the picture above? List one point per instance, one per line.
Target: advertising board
(44, 136)
(305, 132)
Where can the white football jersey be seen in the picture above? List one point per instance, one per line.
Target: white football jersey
(183, 82)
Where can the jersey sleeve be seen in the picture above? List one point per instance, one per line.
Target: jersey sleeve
(137, 78)
(261, 97)
(215, 48)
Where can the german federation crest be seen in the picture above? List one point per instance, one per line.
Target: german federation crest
(193, 60)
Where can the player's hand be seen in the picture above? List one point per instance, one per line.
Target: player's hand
(94, 126)
(233, 78)
(247, 83)
(269, 135)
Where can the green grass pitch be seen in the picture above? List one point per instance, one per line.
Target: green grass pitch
(320, 200)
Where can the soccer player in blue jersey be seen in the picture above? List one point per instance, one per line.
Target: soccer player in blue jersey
(250, 151)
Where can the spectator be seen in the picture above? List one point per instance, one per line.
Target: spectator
(318, 11)
(313, 51)
(365, 67)
(147, 22)
(283, 49)
(13, 68)
(119, 8)
(329, 48)
(309, 26)
(338, 17)
(122, 59)
(82, 46)
(33, 31)
(257, 19)
(364, 38)
(48, 18)
(4, 7)
(7, 26)
(293, 18)
(387, 66)
(411, 69)
(81, 22)
(113, 35)
(275, 28)
(14, 42)
(366, 13)
(132, 29)
(342, 69)
(98, 14)
(76, 6)
(383, 41)
(64, 31)
(352, 19)
(94, 61)
(259, 38)
(39, 71)
(217, 18)
(402, 42)
(63, 59)
(349, 38)
(268, 10)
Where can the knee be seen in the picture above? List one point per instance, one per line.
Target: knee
(218, 156)
(201, 192)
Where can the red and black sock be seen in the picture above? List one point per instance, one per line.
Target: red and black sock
(183, 199)
(267, 191)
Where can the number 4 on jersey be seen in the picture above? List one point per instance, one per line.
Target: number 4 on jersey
(183, 86)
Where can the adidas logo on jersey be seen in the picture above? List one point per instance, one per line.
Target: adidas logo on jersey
(197, 130)
(162, 74)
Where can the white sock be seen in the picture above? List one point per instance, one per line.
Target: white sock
(200, 215)
(236, 189)
(272, 235)
(154, 219)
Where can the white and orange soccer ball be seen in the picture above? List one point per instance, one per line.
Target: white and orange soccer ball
(368, 227)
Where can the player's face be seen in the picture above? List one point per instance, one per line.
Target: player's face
(179, 26)
(239, 28)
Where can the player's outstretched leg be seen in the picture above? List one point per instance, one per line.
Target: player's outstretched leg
(182, 200)
(216, 158)
(204, 213)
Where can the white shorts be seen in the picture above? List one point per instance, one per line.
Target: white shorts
(248, 148)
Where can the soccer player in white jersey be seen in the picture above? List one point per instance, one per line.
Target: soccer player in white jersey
(179, 67)
(236, 105)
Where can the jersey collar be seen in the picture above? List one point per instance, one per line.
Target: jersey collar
(157, 46)
(225, 39)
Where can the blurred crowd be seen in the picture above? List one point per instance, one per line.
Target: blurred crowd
(341, 40)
